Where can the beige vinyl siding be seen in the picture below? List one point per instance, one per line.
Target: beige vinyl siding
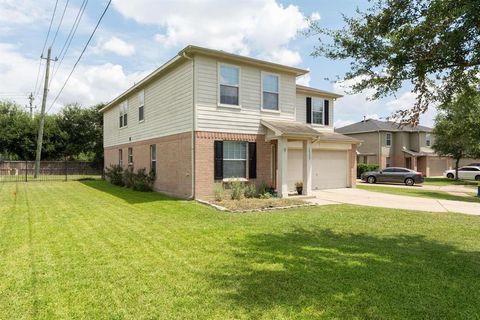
(211, 117)
(168, 109)
(301, 112)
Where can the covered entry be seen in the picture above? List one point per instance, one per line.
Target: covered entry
(320, 160)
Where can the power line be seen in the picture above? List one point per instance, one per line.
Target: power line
(81, 54)
(44, 45)
(71, 35)
(60, 23)
(50, 27)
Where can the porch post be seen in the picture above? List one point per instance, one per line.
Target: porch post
(282, 154)
(307, 167)
(414, 164)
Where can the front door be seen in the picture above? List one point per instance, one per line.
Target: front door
(408, 163)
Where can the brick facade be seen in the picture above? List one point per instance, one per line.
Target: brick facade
(353, 166)
(204, 160)
(174, 161)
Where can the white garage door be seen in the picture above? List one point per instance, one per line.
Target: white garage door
(330, 169)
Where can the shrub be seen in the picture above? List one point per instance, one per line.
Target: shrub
(219, 191)
(363, 167)
(237, 187)
(264, 188)
(250, 191)
(114, 174)
(143, 181)
(128, 177)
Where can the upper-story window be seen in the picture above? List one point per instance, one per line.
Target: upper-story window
(123, 119)
(229, 83)
(428, 140)
(141, 105)
(317, 111)
(270, 91)
(388, 139)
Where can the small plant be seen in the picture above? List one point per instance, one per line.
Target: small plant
(237, 188)
(363, 167)
(219, 191)
(263, 188)
(114, 174)
(266, 195)
(128, 177)
(143, 181)
(299, 187)
(250, 191)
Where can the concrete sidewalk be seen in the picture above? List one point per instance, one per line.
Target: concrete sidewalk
(383, 200)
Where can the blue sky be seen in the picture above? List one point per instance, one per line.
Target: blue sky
(135, 37)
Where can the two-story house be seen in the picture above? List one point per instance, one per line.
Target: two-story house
(209, 116)
(387, 144)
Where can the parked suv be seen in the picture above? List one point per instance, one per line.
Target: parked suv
(465, 173)
(393, 174)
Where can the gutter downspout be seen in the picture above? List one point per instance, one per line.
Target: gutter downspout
(192, 196)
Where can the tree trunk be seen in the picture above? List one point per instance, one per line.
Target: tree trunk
(457, 161)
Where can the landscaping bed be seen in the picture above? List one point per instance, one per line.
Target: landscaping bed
(251, 204)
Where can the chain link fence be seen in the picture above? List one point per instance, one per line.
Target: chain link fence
(24, 171)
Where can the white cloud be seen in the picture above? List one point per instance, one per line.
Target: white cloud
(117, 46)
(23, 12)
(315, 16)
(247, 27)
(89, 84)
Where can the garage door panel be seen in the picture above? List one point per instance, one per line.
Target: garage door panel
(437, 166)
(330, 169)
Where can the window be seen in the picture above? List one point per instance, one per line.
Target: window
(229, 81)
(387, 162)
(428, 140)
(389, 170)
(234, 159)
(153, 158)
(123, 114)
(270, 89)
(141, 106)
(120, 157)
(130, 156)
(388, 137)
(317, 111)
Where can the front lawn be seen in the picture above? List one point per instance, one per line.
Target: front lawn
(90, 250)
(448, 182)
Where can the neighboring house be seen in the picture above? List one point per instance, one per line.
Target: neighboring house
(387, 144)
(208, 116)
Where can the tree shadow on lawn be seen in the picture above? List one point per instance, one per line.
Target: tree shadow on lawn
(128, 195)
(325, 274)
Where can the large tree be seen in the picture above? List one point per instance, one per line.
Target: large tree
(457, 128)
(431, 45)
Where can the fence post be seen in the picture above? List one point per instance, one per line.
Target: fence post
(66, 170)
(26, 170)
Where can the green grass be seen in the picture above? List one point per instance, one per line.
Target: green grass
(417, 192)
(89, 250)
(448, 182)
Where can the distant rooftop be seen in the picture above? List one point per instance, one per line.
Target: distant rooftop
(372, 125)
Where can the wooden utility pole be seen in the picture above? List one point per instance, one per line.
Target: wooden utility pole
(41, 122)
(31, 107)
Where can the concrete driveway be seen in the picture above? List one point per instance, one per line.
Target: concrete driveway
(383, 200)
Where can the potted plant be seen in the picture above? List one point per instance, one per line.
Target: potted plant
(299, 187)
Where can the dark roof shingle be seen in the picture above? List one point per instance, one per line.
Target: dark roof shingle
(372, 125)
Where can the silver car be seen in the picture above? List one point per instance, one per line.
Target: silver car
(393, 174)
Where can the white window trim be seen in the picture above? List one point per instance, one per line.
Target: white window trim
(121, 112)
(386, 139)
(129, 155)
(142, 92)
(223, 105)
(428, 138)
(323, 113)
(262, 73)
(244, 179)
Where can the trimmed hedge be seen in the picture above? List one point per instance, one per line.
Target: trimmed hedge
(362, 167)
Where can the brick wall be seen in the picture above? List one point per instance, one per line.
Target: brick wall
(353, 166)
(174, 161)
(204, 160)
